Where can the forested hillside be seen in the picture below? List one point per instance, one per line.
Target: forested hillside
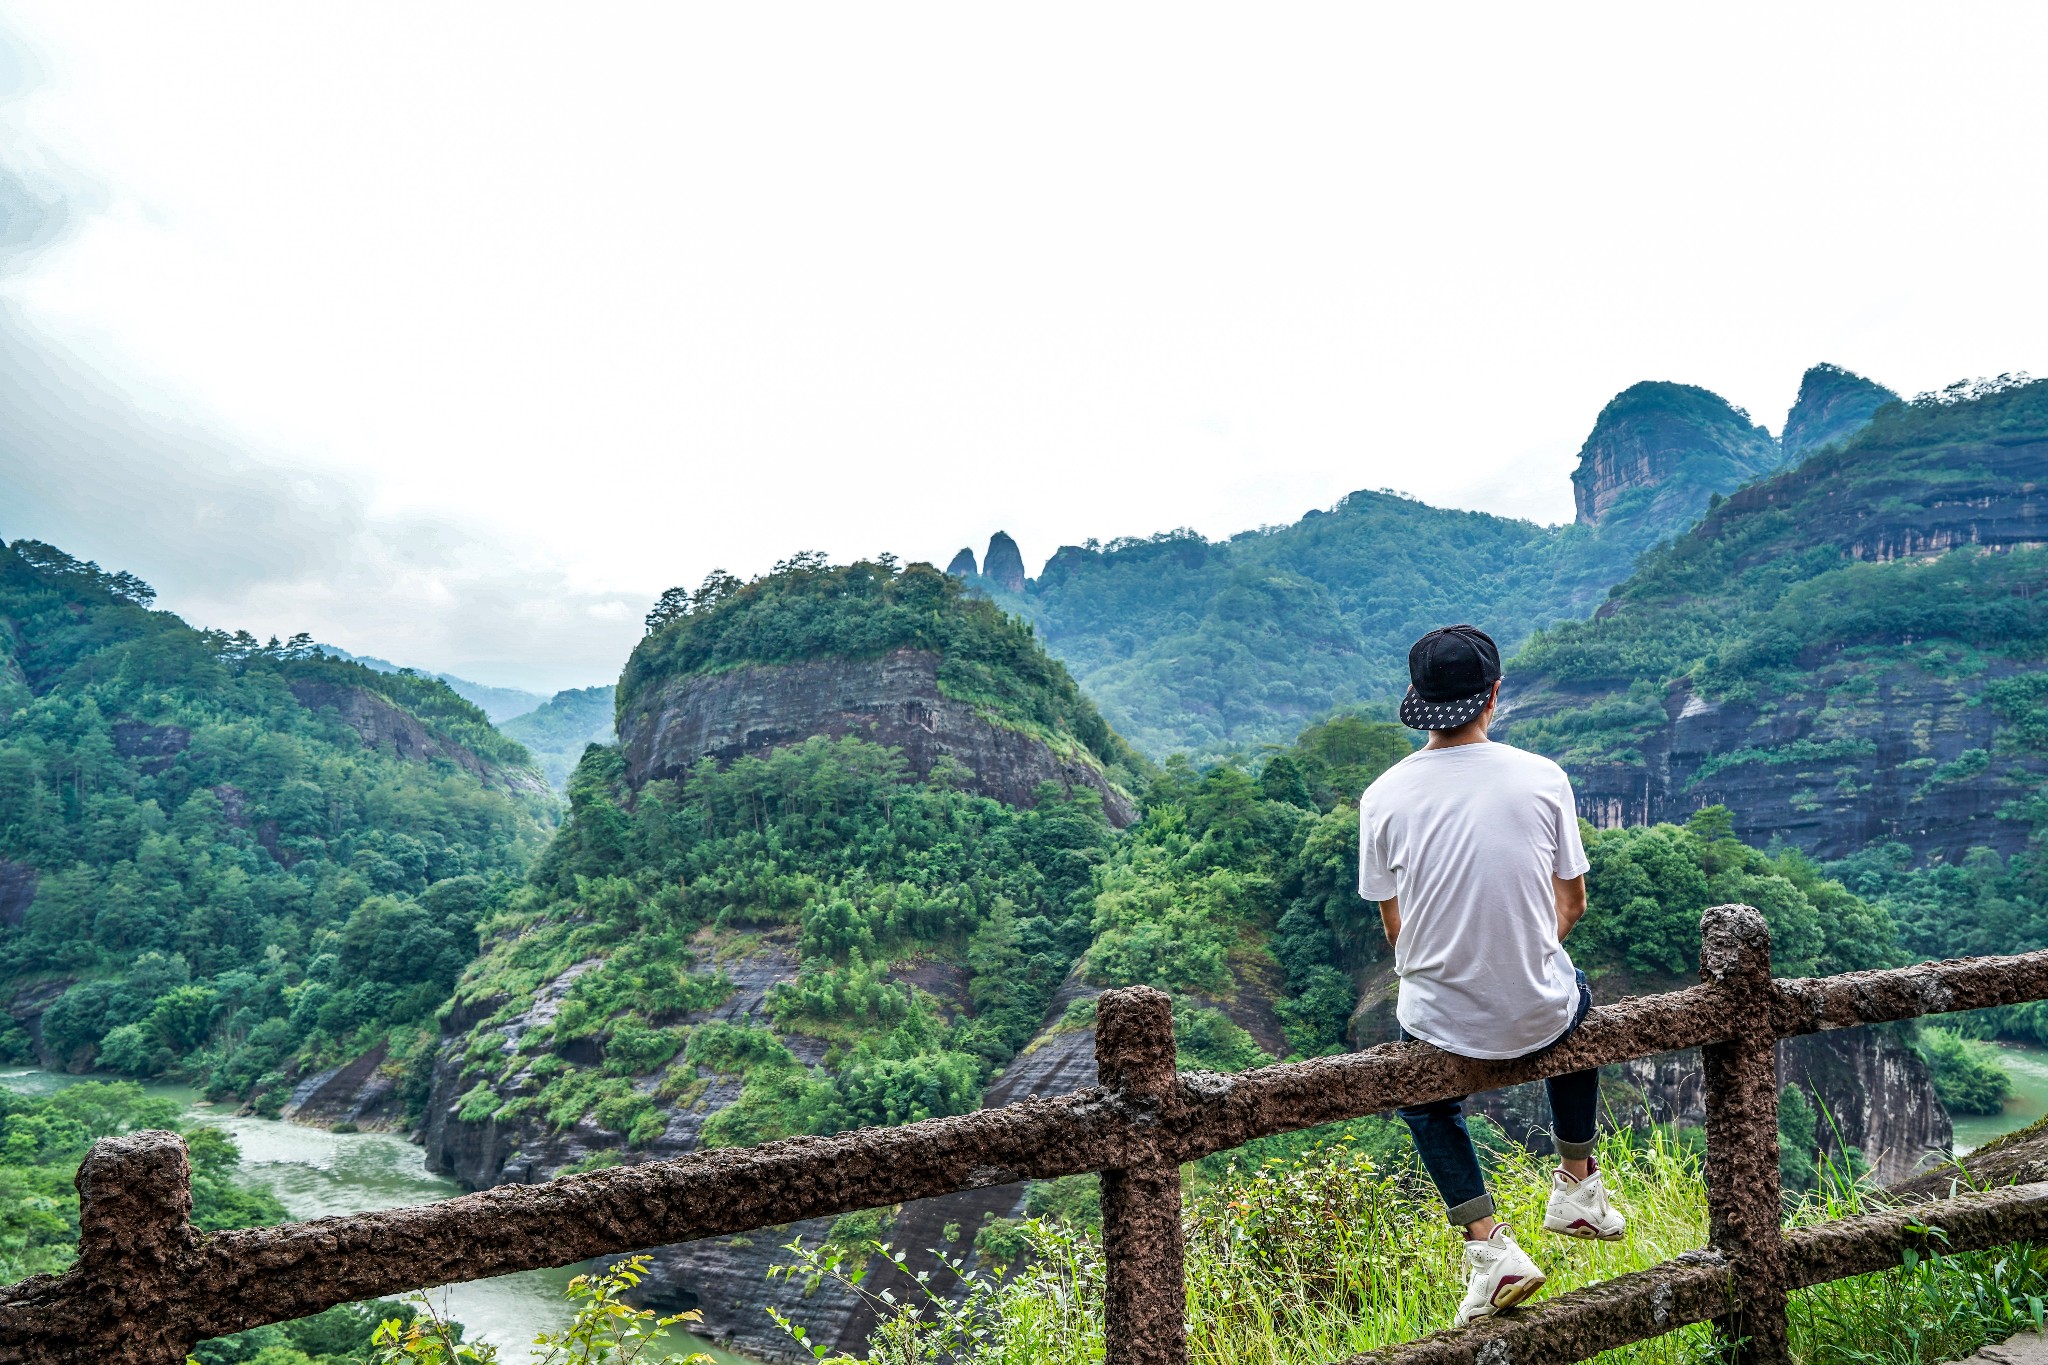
(557, 731)
(1219, 647)
(1850, 656)
(228, 860)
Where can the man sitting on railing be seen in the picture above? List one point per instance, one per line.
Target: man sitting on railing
(1472, 850)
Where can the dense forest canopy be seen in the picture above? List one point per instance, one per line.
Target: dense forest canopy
(217, 864)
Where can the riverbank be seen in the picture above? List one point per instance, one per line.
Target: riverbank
(2027, 1065)
(318, 1173)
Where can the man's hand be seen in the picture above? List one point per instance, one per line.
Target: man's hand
(1390, 919)
(1571, 902)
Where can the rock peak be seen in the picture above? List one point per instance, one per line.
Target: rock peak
(962, 565)
(1659, 450)
(1004, 563)
(1833, 405)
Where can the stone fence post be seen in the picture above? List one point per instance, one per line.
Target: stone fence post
(135, 1241)
(1743, 1199)
(1145, 1301)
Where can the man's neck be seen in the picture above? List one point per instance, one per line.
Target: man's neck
(1475, 733)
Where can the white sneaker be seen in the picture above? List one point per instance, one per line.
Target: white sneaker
(1498, 1274)
(1579, 1208)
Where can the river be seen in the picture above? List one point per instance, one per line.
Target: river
(315, 1173)
(2028, 1067)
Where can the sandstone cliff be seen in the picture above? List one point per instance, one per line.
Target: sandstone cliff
(1832, 406)
(1834, 653)
(962, 564)
(894, 700)
(1004, 563)
(1665, 449)
(1912, 762)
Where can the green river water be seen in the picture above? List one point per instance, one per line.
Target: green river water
(315, 1173)
(2028, 1067)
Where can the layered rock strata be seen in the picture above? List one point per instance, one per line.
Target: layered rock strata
(1832, 406)
(1674, 445)
(894, 700)
(390, 729)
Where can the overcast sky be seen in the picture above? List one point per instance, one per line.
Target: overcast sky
(456, 333)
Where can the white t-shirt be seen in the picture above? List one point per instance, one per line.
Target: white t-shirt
(1468, 837)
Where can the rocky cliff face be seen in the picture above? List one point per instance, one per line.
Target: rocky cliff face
(362, 1092)
(1004, 563)
(1874, 727)
(893, 700)
(392, 730)
(1832, 406)
(1665, 449)
(1912, 761)
(17, 892)
(1874, 1094)
(962, 564)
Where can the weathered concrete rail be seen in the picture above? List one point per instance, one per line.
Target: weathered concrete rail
(146, 1286)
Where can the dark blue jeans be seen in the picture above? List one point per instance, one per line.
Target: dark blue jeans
(1445, 1144)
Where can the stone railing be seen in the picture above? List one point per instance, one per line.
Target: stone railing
(146, 1286)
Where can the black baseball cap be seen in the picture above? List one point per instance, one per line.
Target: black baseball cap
(1451, 673)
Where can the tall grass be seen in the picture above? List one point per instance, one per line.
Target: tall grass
(1306, 1260)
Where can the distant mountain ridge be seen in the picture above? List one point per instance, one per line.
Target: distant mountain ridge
(499, 703)
(1221, 647)
(1833, 405)
(237, 863)
(557, 732)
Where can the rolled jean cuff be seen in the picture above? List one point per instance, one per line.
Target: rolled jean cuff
(1573, 1151)
(1471, 1211)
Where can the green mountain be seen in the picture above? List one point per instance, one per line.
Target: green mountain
(499, 704)
(1658, 451)
(233, 861)
(1219, 647)
(1848, 654)
(1833, 405)
(842, 852)
(557, 731)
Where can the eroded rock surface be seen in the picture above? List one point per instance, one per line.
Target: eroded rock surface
(361, 1093)
(1832, 406)
(17, 892)
(894, 700)
(1916, 761)
(1672, 443)
(392, 730)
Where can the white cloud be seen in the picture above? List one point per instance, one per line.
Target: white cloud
(504, 318)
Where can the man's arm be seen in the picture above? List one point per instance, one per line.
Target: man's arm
(1571, 901)
(1390, 919)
